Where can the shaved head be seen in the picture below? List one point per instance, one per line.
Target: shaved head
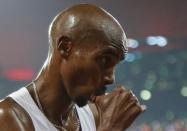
(85, 45)
(84, 21)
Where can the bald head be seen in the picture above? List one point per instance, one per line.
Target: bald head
(86, 44)
(83, 21)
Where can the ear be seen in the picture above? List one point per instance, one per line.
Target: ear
(64, 45)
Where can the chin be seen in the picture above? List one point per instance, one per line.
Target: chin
(81, 101)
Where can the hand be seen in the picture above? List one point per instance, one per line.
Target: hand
(118, 110)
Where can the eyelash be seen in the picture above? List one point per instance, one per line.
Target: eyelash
(107, 61)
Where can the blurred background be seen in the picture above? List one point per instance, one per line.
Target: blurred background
(155, 67)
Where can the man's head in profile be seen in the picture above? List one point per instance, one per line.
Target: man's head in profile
(86, 43)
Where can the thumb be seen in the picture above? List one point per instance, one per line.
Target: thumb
(143, 108)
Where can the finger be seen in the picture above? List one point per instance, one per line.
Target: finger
(133, 97)
(135, 110)
(127, 95)
(105, 97)
(143, 108)
(131, 115)
(97, 98)
(129, 105)
(120, 89)
(140, 108)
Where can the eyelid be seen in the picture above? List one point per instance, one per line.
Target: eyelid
(110, 56)
(112, 59)
(122, 57)
(112, 53)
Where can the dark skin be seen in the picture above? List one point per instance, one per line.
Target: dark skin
(86, 44)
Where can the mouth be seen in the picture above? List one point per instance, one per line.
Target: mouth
(99, 92)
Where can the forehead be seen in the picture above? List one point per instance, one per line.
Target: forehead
(100, 47)
(112, 50)
(95, 40)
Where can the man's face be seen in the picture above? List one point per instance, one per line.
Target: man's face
(89, 67)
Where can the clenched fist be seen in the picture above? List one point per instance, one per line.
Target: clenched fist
(117, 110)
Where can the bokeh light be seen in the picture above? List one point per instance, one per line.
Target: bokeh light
(161, 41)
(132, 43)
(145, 95)
(130, 57)
(184, 91)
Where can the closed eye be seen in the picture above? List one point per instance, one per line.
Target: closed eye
(109, 57)
(108, 60)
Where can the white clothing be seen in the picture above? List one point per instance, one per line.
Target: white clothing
(40, 121)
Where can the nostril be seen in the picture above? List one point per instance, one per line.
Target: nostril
(108, 79)
(109, 76)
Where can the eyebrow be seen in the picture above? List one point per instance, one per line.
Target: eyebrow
(114, 51)
(121, 46)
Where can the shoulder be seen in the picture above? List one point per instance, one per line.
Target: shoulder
(13, 117)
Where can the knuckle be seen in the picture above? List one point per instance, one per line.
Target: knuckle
(120, 88)
(129, 93)
(138, 107)
(135, 98)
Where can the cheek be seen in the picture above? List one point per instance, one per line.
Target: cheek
(86, 76)
(82, 78)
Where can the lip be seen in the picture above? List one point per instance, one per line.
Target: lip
(99, 92)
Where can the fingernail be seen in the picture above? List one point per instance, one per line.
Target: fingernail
(143, 107)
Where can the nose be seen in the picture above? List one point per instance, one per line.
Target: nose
(109, 77)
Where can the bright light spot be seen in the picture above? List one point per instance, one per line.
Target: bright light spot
(161, 41)
(151, 40)
(145, 95)
(184, 91)
(71, 21)
(157, 40)
(133, 43)
(130, 57)
(20, 74)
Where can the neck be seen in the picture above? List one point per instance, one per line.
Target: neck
(52, 96)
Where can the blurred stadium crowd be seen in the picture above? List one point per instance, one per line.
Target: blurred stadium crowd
(176, 125)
